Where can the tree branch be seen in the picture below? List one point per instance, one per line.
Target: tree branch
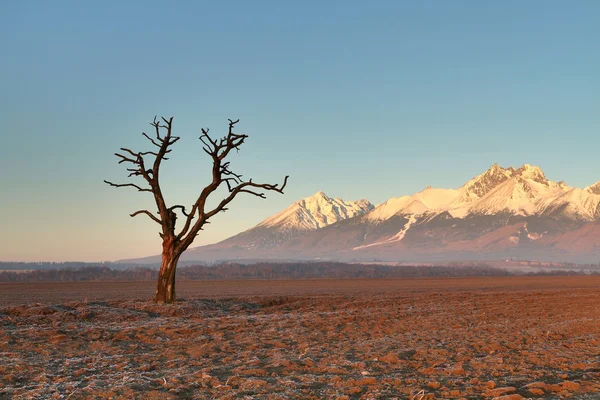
(128, 184)
(242, 188)
(150, 139)
(188, 221)
(148, 213)
(172, 208)
(157, 127)
(222, 173)
(165, 142)
(125, 159)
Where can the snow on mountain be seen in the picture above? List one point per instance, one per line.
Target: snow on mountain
(576, 203)
(426, 200)
(531, 173)
(482, 184)
(520, 195)
(527, 182)
(594, 189)
(491, 212)
(396, 238)
(315, 212)
(523, 191)
(513, 195)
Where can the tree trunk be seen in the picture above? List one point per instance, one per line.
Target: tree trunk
(165, 289)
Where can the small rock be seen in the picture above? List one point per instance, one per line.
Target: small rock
(57, 339)
(390, 358)
(536, 391)
(434, 385)
(571, 386)
(537, 385)
(366, 381)
(499, 391)
(554, 387)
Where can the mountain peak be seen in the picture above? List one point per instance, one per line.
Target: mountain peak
(535, 173)
(482, 184)
(494, 169)
(594, 189)
(320, 196)
(315, 212)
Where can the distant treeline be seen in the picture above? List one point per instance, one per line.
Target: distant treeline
(264, 270)
(26, 266)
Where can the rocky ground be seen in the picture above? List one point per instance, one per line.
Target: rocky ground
(484, 338)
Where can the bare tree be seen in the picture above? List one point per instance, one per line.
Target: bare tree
(175, 243)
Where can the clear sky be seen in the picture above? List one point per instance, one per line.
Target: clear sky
(359, 100)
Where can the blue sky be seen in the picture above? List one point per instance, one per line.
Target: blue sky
(357, 100)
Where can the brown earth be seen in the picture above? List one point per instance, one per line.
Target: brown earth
(505, 338)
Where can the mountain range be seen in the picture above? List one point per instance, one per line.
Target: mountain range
(501, 213)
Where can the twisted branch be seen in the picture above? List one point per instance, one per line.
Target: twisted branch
(148, 213)
(173, 208)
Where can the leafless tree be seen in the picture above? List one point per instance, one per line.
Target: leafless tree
(147, 166)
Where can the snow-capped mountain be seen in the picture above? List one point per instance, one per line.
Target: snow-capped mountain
(315, 212)
(503, 212)
(305, 215)
(524, 191)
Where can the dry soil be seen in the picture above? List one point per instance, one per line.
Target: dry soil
(475, 338)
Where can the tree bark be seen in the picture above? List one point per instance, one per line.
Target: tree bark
(165, 289)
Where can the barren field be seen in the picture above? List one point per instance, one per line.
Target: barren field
(473, 338)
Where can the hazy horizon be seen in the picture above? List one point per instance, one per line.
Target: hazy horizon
(359, 102)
